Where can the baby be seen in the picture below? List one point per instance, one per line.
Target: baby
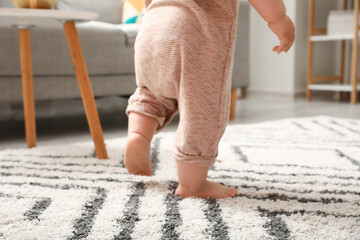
(184, 54)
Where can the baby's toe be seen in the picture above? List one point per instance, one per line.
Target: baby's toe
(231, 192)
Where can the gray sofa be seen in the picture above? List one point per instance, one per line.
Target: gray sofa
(108, 49)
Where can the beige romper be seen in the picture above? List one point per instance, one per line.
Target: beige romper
(184, 54)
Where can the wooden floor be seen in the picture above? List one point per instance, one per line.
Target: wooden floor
(57, 129)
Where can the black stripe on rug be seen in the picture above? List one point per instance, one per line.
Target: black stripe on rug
(67, 177)
(328, 128)
(288, 174)
(5, 195)
(117, 166)
(303, 212)
(300, 126)
(352, 160)
(65, 170)
(121, 161)
(323, 200)
(172, 214)
(294, 145)
(91, 155)
(211, 178)
(242, 156)
(340, 192)
(258, 188)
(354, 123)
(54, 186)
(61, 164)
(211, 170)
(82, 226)
(275, 226)
(350, 129)
(251, 179)
(275, 140)
(217, 228)
(155, 155)
(281, 197)
(217, 170)
(305, 167)
(37, 209)
(130, 214)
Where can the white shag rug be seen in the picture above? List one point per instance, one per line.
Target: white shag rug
(296, 178)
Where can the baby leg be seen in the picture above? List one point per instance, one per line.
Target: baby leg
(137, 151)
(147, 116)
(204, 112)
(204, 106)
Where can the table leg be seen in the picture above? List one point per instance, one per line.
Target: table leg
(28, 87)
(355, 55)
(85, 89)
(233, 103)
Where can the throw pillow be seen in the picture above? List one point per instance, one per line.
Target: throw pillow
(133, 11)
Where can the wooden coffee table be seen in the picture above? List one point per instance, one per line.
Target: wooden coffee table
(24, 20)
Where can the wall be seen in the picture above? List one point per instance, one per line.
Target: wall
(6, 4)
(286, 74)
(269, 71)
(300, 63)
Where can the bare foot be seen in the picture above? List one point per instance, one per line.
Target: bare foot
(208, 190)
(137, 151)
(137, 155)
(193, 183)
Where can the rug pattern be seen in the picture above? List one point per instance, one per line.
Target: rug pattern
(297, 178)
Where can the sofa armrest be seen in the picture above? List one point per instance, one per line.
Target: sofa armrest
(240, 78)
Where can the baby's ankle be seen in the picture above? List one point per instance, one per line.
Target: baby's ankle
(192, 178)
(208, 190)
(139, 135)
(191, 189)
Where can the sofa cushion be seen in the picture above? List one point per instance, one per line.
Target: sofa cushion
(131, 31)
(6, 4)
(104, 46)
(65, 87)
(108, 11)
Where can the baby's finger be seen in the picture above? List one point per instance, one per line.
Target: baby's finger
(277, 49)
(287, 47)
(290, 44)
(282, 46)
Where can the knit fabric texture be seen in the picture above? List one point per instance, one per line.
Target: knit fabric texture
(184, 54)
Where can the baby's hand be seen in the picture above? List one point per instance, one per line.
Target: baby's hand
(285, 30)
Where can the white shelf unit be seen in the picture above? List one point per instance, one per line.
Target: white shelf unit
(333, 87)
(325, 38)
(321, 83)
